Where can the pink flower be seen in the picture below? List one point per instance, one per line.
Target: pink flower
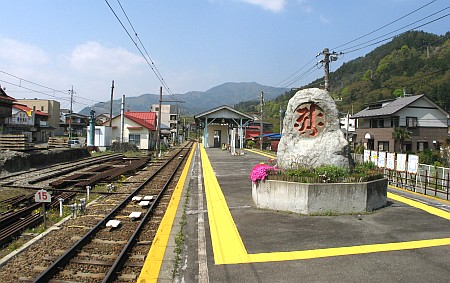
(260, 172)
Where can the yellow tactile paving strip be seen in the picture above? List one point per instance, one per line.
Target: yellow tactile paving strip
(228, 247)
(155, 256)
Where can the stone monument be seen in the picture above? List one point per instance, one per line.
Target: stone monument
(311, 132)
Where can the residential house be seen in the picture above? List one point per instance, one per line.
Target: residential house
(139, 128)
(51, 107)
(417, 114)
(78, 123)
(32, 124)
(6, 103)
(102, 118)
(169, 118)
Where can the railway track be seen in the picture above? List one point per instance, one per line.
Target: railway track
(94, 170)
(116, 245)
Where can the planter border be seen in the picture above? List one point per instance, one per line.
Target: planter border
(318, 198)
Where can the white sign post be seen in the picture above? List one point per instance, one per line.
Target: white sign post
(43, 196)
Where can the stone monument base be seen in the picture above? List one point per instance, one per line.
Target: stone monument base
(320, 198)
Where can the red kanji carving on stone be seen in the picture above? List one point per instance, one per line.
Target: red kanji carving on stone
(310, 120)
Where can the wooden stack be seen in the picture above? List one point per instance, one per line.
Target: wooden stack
(15, 142)
(58, 142)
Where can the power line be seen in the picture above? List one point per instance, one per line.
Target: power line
(147, 59)
(43, 86)
(394, 35)
(397, 31)
(386, 25)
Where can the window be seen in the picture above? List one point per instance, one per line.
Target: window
(394, 122)
(135, 139)
(411, 122)
(377, 123)
(421, 146)
(383, 146)
(42, 108)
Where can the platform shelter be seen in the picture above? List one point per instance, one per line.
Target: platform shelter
(223, 126)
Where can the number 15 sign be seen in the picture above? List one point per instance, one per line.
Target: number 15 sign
(42, 196)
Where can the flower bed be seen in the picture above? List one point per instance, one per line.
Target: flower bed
(321, 190)
(320, 198)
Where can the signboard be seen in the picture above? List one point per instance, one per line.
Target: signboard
(390, 161)
(42, 196)
(374, 157)
(413, 163)
(366, 155)
(401, 162)
(381, 159)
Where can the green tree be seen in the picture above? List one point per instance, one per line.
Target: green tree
(400, 135)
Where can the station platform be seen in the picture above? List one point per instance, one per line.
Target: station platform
(228, 239)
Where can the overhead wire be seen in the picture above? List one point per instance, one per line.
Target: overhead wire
(386, 25)
(368, 45)
(46, 87)
(146, 58)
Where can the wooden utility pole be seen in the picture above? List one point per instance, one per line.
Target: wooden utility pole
(158, 126)
(111, 104)
(70, 113)
(261, 124)
(326, 65)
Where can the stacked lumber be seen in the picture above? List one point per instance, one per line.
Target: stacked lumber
(15, 142)
(58, 142)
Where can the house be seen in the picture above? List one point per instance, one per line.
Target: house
(102, 118)
(222, 125)
(6, 103)
(169, 119)
(26, 121)
(51, 107)
(78, 123)
(139, 128)
(419, 115)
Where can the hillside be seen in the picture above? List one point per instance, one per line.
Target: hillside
(194, 101)
(416, 61)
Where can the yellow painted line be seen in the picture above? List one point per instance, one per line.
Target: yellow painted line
(419, 205)
(226, 241)
(228, 247)
(422, 195)
(343, 251)
(155, 256)
(261, 153)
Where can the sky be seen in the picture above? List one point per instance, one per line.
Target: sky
(48, 47)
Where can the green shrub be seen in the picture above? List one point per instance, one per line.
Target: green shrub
(250, 144)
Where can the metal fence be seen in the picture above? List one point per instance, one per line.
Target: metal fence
(429, 180)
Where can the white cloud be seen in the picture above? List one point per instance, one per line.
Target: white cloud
(272, 5)
(15, 52)
(95, 59)
(324, 19)
(305, 6)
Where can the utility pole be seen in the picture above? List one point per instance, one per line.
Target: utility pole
(281, 120)
(70, 113)
(328, 57)
(111, 104)
(261, 123)
(158, 131)
(326, 62)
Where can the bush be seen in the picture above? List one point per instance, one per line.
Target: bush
(328, 174)
(331, 173)
(250, 144)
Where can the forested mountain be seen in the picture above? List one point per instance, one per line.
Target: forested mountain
(194, 101)
(416, 62)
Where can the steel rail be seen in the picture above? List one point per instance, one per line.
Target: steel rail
(123, 256)
(63, 260)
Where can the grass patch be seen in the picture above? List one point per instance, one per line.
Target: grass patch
(180, 237)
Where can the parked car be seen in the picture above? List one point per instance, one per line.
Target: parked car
(74, 143)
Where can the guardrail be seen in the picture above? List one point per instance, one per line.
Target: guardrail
(428, 179)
